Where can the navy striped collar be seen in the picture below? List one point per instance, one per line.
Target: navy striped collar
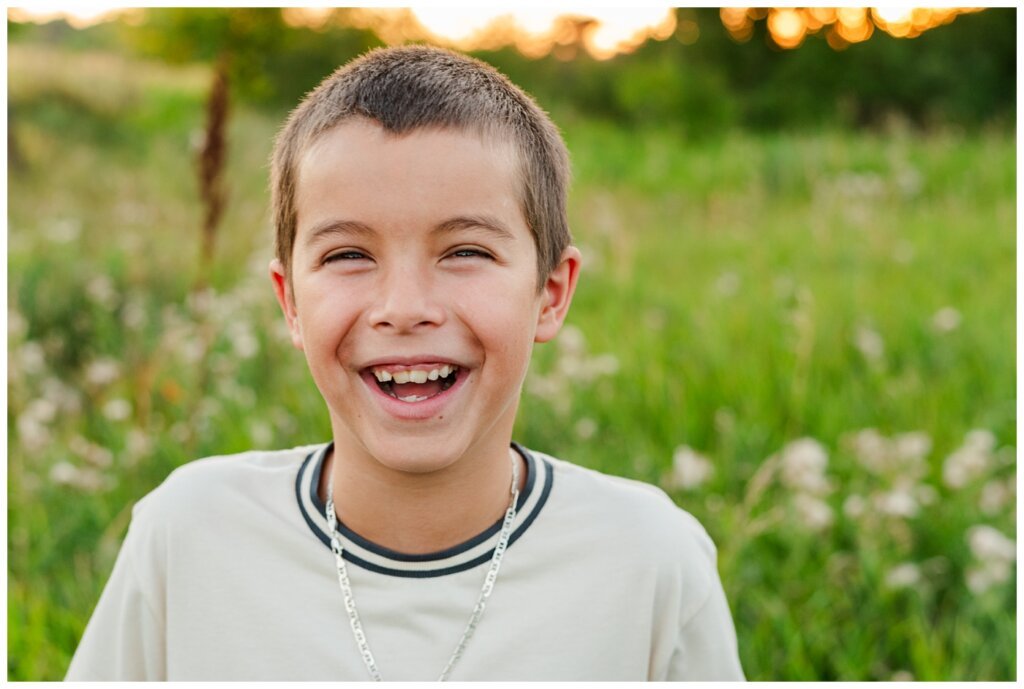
(376, 558)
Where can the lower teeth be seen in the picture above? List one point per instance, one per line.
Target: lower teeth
(412, 398)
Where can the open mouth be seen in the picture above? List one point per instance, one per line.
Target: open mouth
(415, 384)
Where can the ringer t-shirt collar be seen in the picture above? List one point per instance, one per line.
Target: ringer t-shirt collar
(471, 553)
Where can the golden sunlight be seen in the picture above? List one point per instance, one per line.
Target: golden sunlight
(602, 32)
(844, 25)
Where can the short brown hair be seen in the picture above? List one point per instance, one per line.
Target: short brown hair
(417, 86)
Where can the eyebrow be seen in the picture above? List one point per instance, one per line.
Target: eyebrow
(487, 223)
(342, 227)
(468, 222)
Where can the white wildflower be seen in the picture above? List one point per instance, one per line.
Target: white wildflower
(813, 513)
(101, 290)
(85, 479)
(137, 444)
(603, 365)
(980, 439)
(243, 340)
(63, 473)
(42, 410)
(727, 284)
(102, 371)
(31, 358)
(902, 676)
(689, 469)
(871, 448)
(898, 502)
(996, 495)
(134, 313)
(909, 181)
(803, 466)
(903, 575)
(912, 447)
(117, 409)
(725, 420)
(988, 543)
(67, 398)
(33, 435)
(586, 428)
(854, 506)
(903, 252)
(17, 326)
(64, 231)
(261, 433)
(994, 555)
(946, 319)
(91, 452)
(571, 340)
(970, 461)
(869, 342)
(192, 349)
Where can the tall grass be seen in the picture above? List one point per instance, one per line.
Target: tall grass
(749, 307)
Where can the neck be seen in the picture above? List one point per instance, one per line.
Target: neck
(421, 513)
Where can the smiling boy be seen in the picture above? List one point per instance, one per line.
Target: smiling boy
(422, 249)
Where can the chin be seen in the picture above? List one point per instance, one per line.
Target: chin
(413, 456)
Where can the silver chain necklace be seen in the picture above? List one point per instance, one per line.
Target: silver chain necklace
(478, 609)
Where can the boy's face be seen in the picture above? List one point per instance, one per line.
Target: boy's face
(412, 257)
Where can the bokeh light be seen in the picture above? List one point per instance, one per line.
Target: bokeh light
(602, 32)
(843, 25)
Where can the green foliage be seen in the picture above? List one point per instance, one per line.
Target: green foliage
(270, 62)
(740, 292)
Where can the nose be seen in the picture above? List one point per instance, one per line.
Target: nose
(407, 300)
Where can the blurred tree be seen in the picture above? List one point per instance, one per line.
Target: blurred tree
(269, 61)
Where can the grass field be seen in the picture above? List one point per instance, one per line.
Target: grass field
(807, 338)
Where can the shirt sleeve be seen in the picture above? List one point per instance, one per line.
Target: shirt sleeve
(124, 639)
(706, 649)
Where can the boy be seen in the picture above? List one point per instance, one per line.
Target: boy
(422, 248)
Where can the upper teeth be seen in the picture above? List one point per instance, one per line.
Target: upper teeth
(414, 375)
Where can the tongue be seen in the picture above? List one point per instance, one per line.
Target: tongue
(428, 389)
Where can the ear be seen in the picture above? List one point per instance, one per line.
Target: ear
(283, 291)
(556, 295)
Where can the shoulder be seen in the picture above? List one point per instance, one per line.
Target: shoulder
(636, 512)
(213, 483)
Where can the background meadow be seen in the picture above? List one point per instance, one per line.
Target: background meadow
(800, 324)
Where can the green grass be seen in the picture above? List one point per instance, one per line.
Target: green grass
(741, 284)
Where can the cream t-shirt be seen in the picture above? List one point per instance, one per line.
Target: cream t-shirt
(227, 574)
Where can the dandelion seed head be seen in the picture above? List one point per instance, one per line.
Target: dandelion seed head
(854, 506)
(261, 433)
(102, 371)
(970, 461)
(727, 284)
(117, 409)
(989, 544)
(100, 289)
(689, 469)
(946, 319)
(803, 466)
(17, 326)
(31, 358)
(64, 231)
(904, 575)
(134, 314)
(898, 502)
(571, 340)
(814, 514)
(869, 342)
(586, 428)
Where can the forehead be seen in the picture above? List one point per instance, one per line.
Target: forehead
(358, 168)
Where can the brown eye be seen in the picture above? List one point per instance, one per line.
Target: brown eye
(345, 256)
